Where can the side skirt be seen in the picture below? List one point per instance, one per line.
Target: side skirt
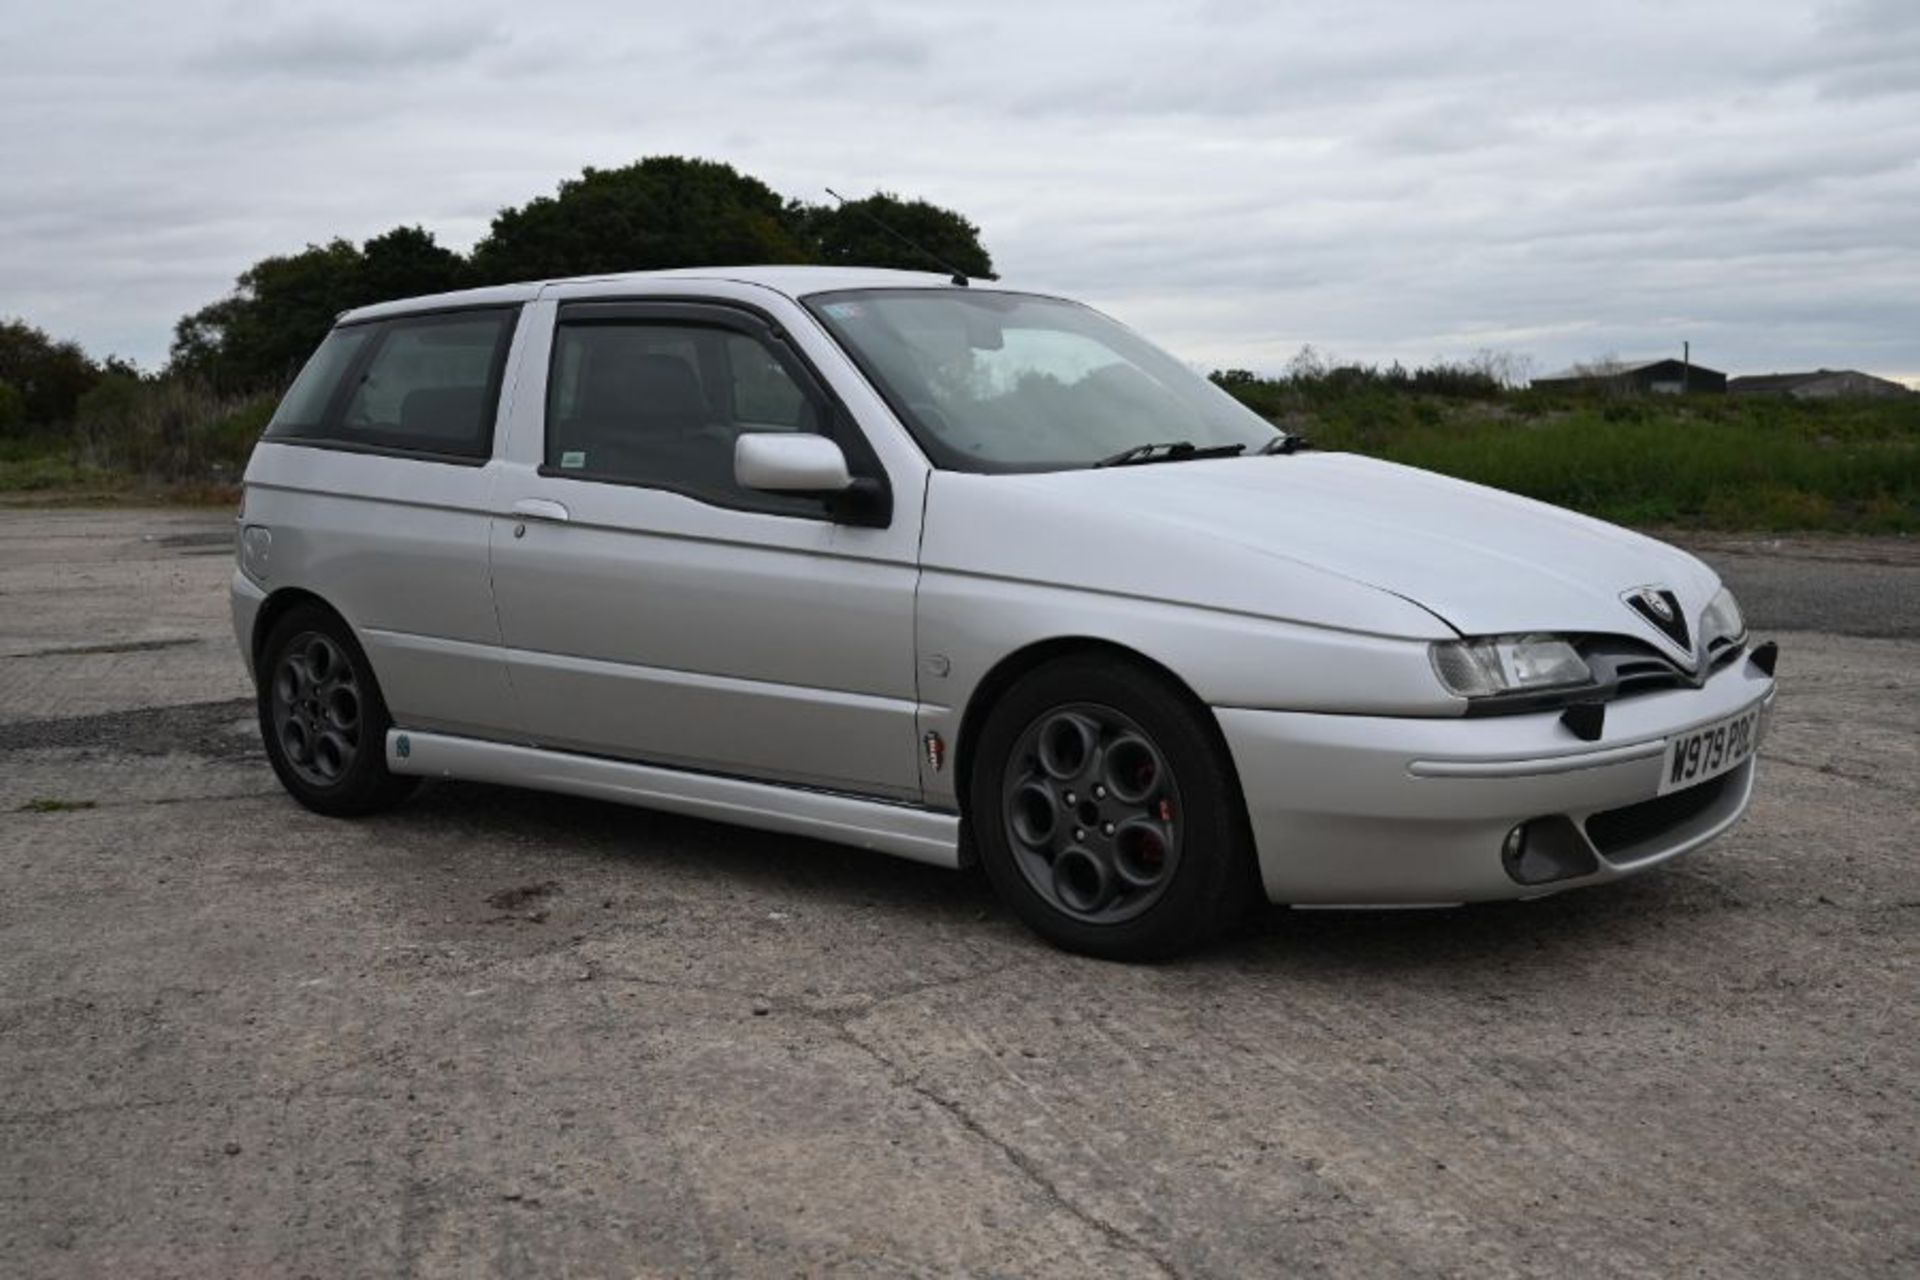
(898, 829)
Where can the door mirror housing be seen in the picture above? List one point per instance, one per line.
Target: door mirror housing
(810, 466)
(790, 462)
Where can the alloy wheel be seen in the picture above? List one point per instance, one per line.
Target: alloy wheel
(317, 709)
(1092, 813)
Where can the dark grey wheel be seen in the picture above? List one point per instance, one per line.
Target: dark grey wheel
(322, 717)
(1106, 812)
(316, 709)
(1092, 813)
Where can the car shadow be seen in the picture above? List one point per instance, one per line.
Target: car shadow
(824, 876)
(603, 832)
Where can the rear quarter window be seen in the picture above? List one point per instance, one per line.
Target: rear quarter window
(416, 384)
(304, 408)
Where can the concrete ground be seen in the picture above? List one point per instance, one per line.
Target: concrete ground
(504, 1033)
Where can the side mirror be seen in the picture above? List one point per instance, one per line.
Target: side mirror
(790, 462)
(811, 466)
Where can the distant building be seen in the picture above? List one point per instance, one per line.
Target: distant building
(1821, 384)
(1655, 377)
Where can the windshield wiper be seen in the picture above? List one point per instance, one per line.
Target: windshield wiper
(1286, 442)
(1169, 451)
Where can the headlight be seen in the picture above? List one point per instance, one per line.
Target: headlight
(1494, 665)
(1723, 621)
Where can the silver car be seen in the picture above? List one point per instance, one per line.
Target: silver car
(957, 572)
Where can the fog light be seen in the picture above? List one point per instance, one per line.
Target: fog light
(1542, 850)
(1514, 848)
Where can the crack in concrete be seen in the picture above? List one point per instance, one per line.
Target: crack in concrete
(1029, 1169)
(102, 806)
(882, 999)
(121, 646)
(1827, 770)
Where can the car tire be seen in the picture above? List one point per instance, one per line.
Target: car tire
(322, 718)
(1106, 811)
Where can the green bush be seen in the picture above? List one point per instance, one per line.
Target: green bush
(171, 429)
(41, 473)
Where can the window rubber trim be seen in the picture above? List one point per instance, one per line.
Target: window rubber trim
(863, 463)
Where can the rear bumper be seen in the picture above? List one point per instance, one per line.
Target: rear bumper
(247, 599)
(1368, 810)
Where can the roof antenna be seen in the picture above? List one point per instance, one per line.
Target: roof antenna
(955, 274)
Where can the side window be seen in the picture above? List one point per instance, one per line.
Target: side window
(661, 404)
(427, 384)
(765, 396)
(303, 410)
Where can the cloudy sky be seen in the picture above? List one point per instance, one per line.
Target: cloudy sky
(1382, 178)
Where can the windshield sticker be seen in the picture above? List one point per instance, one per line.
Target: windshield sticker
(573, 459)
(843, 310)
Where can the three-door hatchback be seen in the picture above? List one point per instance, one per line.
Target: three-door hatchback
(955, 571)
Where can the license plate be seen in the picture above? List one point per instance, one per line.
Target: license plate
(1710, 751)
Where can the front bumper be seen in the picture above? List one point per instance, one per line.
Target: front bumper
(1378, 811)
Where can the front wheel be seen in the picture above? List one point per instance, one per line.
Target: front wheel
(1106, 811)
(322, 718)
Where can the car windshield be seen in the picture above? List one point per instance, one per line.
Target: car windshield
(992, 381)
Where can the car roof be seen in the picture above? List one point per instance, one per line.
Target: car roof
(794, 282)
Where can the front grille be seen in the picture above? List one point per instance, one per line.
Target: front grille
(1624, 667)
(1614, 830)
(1643, 675)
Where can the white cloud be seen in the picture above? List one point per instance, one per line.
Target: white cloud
(1386, 180)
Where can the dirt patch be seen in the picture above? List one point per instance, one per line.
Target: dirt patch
(216, 730)
(524, 902)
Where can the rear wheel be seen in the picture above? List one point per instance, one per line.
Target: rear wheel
(322, 718)
(1106, 811)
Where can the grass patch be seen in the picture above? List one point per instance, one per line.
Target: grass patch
(1719, 462)
(57, 481)
(38, 475)
(138, 443)
(56, 806)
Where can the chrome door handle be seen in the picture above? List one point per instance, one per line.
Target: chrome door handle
(540, 509)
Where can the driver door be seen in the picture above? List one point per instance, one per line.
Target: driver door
(650, 607)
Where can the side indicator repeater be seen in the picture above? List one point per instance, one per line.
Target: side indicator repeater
(936, 751)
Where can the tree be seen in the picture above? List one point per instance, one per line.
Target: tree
(664, 211)
(1607, 374)
(1307, 365)
(49, 376)
(1505, 368)
(105, 415)
(657, 213)
(279, 310)
(852, 235)
(405, 263)
(281, 307)
(13, 411)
